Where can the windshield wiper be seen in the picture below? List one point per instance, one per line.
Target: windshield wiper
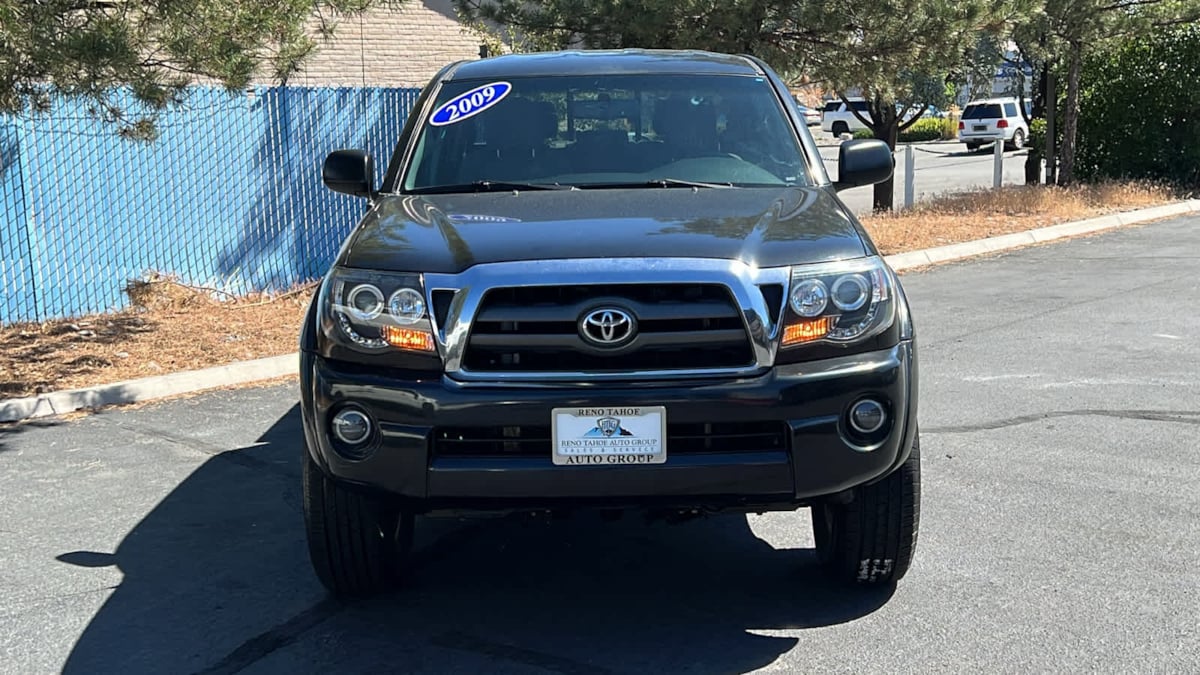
(656, 183)
(487, 186)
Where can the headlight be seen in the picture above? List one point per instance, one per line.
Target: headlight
(839, 302)
(375, 312)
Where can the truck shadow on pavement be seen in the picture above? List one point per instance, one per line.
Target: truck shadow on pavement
(216, 579)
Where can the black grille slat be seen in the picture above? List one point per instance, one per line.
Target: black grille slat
(682, 439)
(571, 294)
(563, 360)
(573, 341)
(441, 305)
(646, 312)
(773, 296)
(535, 329)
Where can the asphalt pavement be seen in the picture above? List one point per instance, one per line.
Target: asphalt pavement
(1060, 416)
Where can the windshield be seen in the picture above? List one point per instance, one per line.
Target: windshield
(606, 131)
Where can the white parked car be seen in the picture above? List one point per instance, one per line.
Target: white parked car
(812, 116)
(983, 121)
(838, 119)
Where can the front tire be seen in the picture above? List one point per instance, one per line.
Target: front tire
(840, 128)
(357, 543)
(871, 540)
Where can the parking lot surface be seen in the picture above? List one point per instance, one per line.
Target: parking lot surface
(938, 168)
(1060, 415)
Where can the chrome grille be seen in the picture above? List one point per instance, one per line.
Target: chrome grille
(537, 328)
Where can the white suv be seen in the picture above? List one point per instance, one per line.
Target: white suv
(982, 121)
(838, 119)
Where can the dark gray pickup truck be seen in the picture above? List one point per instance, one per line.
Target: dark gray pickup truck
(608, 280)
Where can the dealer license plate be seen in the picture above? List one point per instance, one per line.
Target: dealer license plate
(609, 436)
(979, 127)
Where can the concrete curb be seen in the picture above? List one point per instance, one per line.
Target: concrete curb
(147, 388)
(1005, 242)
(241, 372)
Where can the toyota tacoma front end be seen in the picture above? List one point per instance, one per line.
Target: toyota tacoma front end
(614, 280)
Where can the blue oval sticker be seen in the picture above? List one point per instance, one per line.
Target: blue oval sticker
(469, 104)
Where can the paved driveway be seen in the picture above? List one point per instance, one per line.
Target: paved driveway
(1061, 421)
(938, 168)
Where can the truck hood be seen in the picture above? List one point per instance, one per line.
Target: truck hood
(767, 227)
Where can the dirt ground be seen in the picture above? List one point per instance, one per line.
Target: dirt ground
(171, 327)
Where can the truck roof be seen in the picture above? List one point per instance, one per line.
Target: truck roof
(605, 62)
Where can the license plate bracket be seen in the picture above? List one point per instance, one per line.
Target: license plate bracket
(608, 435)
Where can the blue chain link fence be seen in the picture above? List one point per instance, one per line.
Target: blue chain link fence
(229, 196)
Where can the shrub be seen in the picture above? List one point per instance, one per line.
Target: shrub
(1139, 113)
(1037, 137)
(928, 129)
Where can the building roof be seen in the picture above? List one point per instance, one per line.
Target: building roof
(605, 62)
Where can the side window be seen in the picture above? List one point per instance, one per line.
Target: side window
(832, 106)
(1010, 109)
(860, 106)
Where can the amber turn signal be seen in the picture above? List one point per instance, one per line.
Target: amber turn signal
(407, 338)
(805, 331)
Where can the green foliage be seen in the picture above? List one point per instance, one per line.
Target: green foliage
(1139, 113)
(729, 25)
(1065, 33)
(928, 129)
(900, 51)
(864, 133)
(155, 48)
(1037, 137)
(896, 51)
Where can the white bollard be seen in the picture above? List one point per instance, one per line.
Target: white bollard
(998, 171)
(909, 171)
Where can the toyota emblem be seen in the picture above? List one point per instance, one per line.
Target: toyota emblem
(608, 327)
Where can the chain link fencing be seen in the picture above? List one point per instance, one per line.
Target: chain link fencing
(229, 196)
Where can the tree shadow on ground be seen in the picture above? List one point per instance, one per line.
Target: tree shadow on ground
(39, 356)
(10, 429)
(216, 579)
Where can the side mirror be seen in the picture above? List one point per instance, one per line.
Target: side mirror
(864, 161)
(349, 171)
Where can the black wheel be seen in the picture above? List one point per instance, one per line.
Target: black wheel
(840, 128)
(1017, 142)
(357, 543)
(972, 147)
(871, 540)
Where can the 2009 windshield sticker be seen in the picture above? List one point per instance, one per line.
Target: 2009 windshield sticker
(469, 104)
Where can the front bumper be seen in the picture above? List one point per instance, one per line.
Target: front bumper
(808, 400)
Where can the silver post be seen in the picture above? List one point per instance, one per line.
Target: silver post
(1051, 97)
(909, 171)
(998, 172)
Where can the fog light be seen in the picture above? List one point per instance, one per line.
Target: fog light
(867, 416)
(351, 426)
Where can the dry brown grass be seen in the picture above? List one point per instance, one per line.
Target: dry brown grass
(171, 327)
(174, 327)
(985, 213)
